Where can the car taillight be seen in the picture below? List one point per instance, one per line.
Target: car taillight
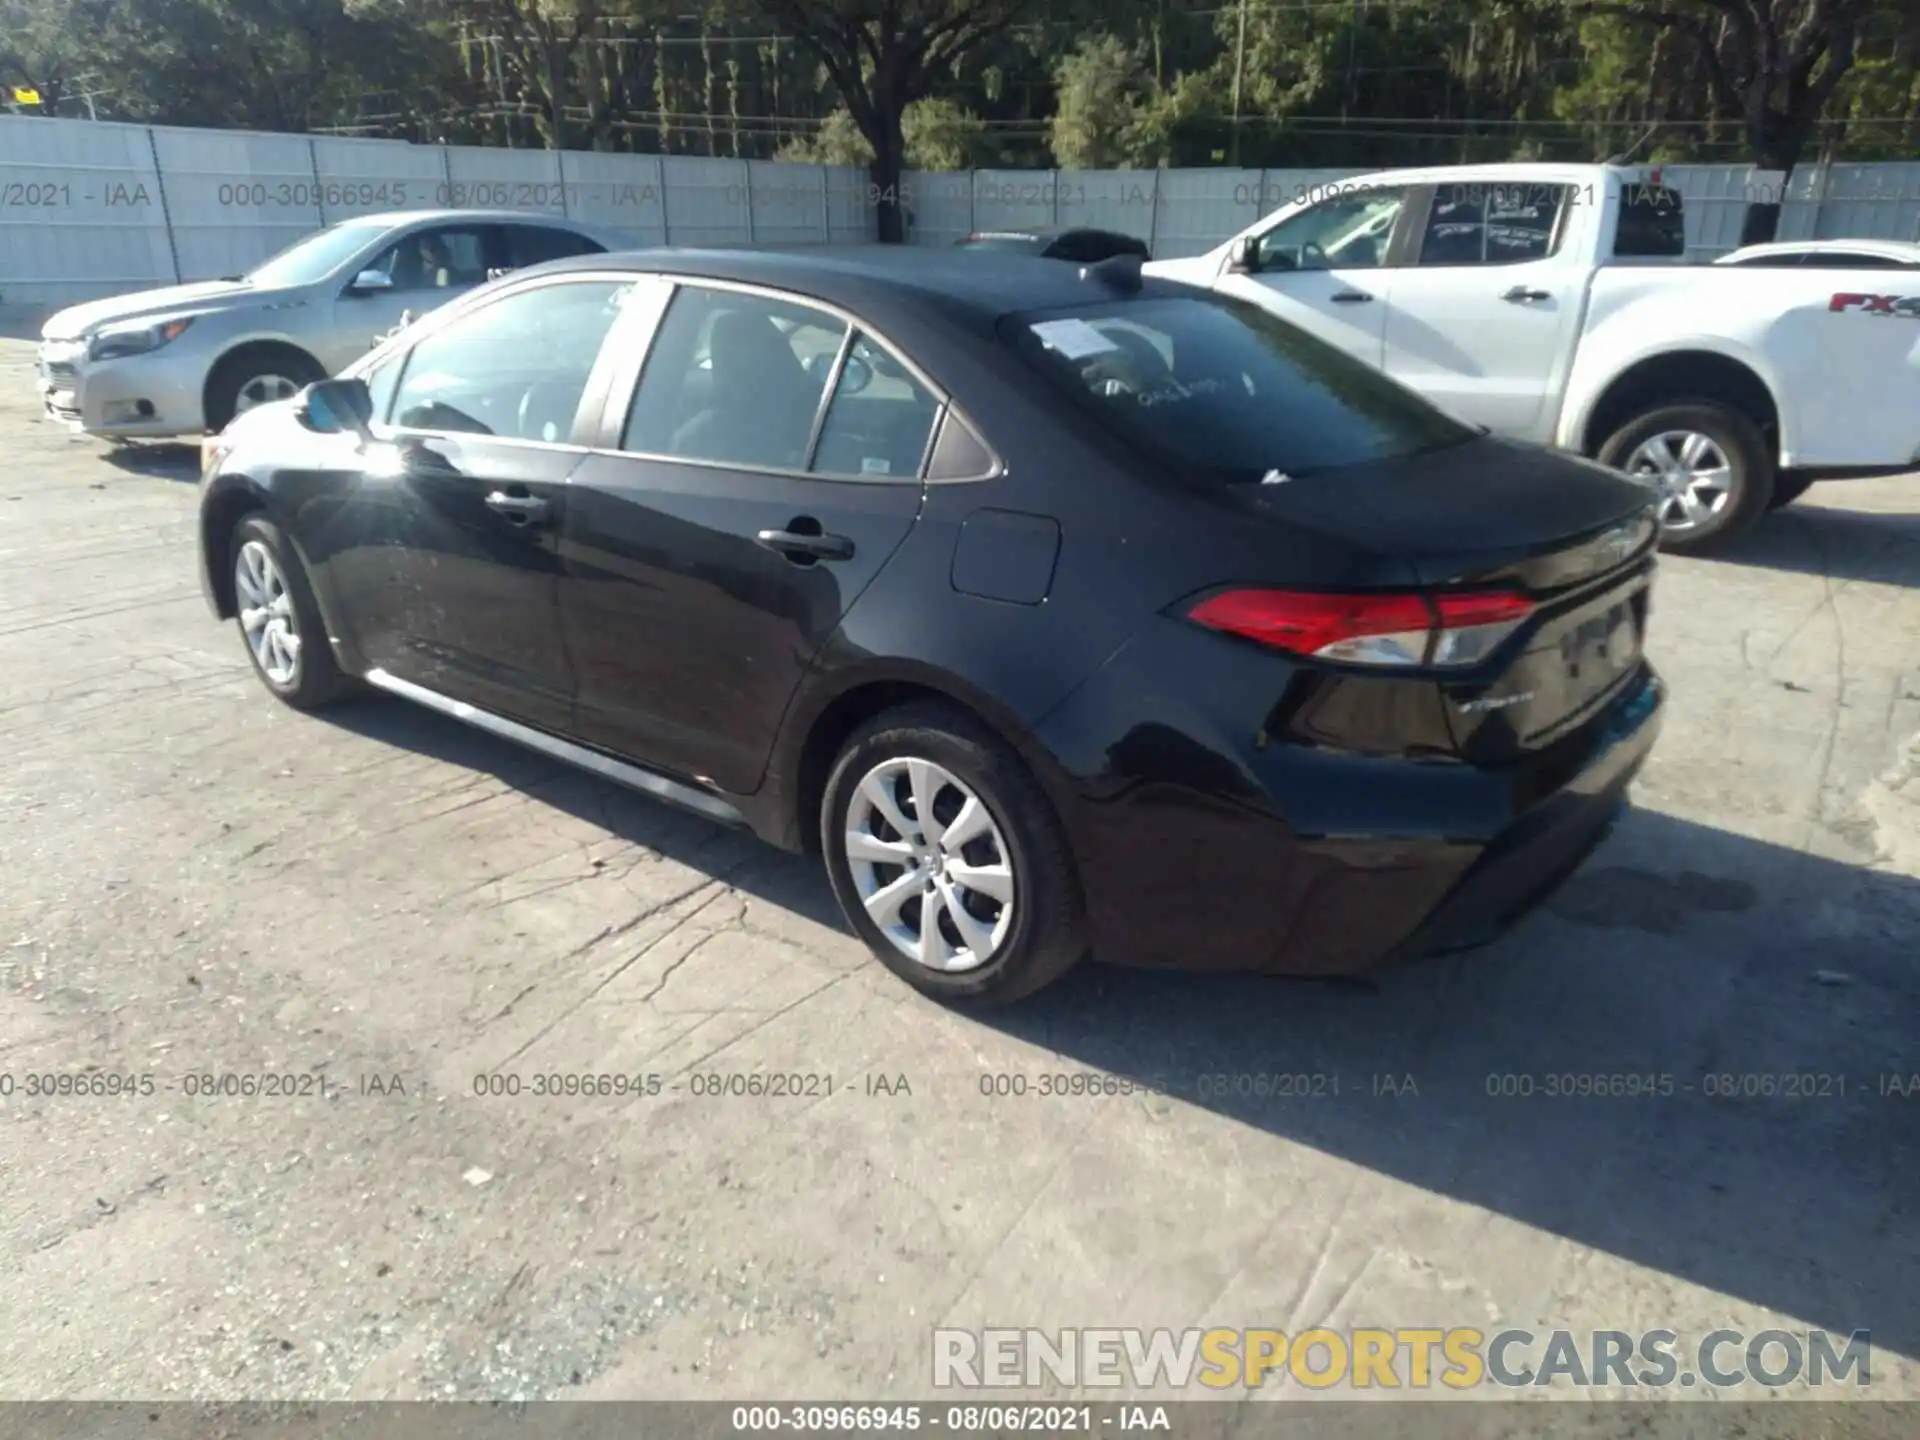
(1405, 629)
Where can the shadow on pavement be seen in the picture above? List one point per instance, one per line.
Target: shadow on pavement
(161, 460)
(1877, 547)
(1682, 961)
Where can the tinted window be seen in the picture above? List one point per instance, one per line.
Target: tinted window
(514, 368)
(1652, 225)
(1093, 246)
(1221, 387)
(879, 418)
(1349, 232)
(536, 244)
(1492, 224)
(444, 258)
(735, 379)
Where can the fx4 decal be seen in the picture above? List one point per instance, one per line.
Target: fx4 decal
(1904, 305)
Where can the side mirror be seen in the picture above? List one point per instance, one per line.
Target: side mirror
(337, 407)
(370, 282)
(1244, 257)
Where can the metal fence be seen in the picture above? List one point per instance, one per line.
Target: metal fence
(90, 209)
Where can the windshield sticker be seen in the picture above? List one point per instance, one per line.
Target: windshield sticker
(1075, 339)
(1275, 477)
(1175, 392)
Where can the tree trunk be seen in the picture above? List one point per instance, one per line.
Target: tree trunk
(556, 96)
(888, 139)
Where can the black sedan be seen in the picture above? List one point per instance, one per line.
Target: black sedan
(1081, 243)
(1060, 610)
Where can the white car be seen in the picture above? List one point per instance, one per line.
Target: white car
(185, 359)
(1553, 303)
(1828, 255)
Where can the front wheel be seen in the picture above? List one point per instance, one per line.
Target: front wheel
(1711, 465)
(948, 859)
(256, 375)
(285, 637)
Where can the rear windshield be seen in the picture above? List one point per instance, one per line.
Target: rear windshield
(1224, 391)
(1652, 223)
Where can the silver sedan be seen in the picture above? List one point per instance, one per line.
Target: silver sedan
(185, 359)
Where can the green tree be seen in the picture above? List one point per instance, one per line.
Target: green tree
(1106, 112)
(882, 56)
(939, 135)
(1771, 65)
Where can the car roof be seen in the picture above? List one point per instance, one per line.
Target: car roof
(487, 217)
(986, 284)
(1893, 249)
(1041, 232)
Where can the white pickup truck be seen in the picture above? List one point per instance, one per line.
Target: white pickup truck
(1552, 303)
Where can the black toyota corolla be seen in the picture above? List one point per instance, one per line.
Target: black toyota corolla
(1061, 611)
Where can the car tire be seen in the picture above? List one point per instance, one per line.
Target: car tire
(255, 375)
(1789, 486)
(1014, 844)
(1680, 447)
(268, 577)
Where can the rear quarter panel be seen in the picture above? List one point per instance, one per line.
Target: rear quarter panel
(1845, 380)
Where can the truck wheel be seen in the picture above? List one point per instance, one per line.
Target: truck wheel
(1789, 486)
(1711, 464)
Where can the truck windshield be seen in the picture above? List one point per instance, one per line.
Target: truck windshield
(1223, 391)
(317, 256)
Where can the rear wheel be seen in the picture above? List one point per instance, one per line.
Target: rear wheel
(948, 860)
(1710, 463)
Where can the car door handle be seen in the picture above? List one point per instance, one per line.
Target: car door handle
(797, 545)
(1352, 297)
(521, 509)
(1521, 295)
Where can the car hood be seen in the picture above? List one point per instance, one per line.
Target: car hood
(1189, 270)
(78, 321)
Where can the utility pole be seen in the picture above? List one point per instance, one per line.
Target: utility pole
(1239, 78)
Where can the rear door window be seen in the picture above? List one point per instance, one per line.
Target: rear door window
(1221, 390)
(1652, 225)
(1493, 224)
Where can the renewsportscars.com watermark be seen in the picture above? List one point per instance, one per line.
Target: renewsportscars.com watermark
(1458, 1358)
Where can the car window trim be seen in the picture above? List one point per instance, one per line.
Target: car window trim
(847, 341)
(591, 396)
(619, 405)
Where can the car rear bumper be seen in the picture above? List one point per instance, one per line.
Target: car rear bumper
(1341, 863)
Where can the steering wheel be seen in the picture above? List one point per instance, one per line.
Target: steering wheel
(1312, 257)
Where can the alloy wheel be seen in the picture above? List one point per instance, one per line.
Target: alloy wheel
(264, 390)
(1692, 474)
(266, 614)
(930, 864)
